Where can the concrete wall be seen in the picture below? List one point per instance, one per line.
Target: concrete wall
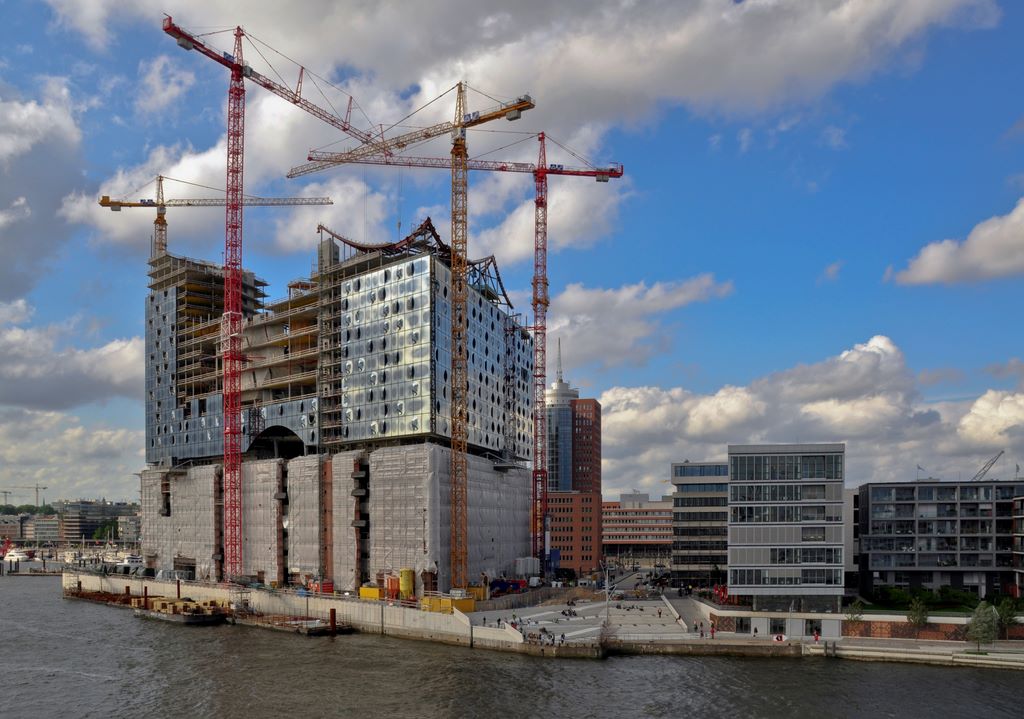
(190, 529)
(375, 617)
(303, 516)
(261, 548)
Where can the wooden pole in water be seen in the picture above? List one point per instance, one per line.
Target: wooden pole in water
(179, 589)
(334, 621)
(145, 596)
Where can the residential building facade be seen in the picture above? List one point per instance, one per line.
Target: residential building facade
(786, 525)
(931, 534)
(700, 522)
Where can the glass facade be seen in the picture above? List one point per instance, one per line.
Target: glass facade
(699, 523)
(786, 522)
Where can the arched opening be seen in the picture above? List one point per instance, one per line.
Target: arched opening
(276, 442)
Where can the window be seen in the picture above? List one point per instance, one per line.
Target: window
(777, 625)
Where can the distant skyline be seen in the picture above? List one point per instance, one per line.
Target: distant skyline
(819, 235)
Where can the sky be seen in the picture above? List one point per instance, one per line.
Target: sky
(819, 235)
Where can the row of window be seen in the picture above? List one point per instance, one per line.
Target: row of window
(944, 494)
(695, 545)
(806, 555)
(700, 470)
(776, 492)
(768, 577)
(700, 516)
(757, 468)
(708, 560)
(689, 531)
(787, 514)
(700, 502)
(702, 487)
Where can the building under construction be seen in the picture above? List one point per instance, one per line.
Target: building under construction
(345, 410)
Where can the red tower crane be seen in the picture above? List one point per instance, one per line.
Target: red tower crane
(540, 171)
(231, 323)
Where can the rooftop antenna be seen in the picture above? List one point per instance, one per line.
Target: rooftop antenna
(559, 359)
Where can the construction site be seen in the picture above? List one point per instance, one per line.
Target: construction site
(379, 429)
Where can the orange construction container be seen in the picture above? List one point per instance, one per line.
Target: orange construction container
(392, 586)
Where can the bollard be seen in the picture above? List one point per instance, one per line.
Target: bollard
(179, 589)
(145, 596)
(334, 622)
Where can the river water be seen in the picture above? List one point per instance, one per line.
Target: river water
(65, 658)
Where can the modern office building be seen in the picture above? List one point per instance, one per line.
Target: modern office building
(931, 534)
(637, 531)
(345, 399)
(700, 520)
(574, 476)
(80, 519)
(786, 525)
(575, 532)
(43, 529)
(574, 437)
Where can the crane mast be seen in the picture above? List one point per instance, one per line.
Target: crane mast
(231, 322)
(539, 511)
(460, 359)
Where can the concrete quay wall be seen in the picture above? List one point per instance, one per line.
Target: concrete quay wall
(364, 616)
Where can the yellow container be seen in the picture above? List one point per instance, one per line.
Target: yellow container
(370, 593)
(464, 605)
(478, 593)
(406, 583)
(434, 604)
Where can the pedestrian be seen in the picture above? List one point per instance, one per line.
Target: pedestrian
(755, 632)
(702, 632)
(712, 630)
(563, 638)
(659, 614)
(817, 635)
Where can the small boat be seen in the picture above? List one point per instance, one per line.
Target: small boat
(16, 555)
(131, 560)
(192, 619)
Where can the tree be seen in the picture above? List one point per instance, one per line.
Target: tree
(984, 625)
(917, 615)
(855, 612)
(1006, 614)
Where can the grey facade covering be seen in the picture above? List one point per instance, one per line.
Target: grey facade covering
(786, 524)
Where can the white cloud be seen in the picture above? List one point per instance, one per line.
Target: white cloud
(994, 248)
(19, 210)
(358, 213)
(620, 326)
(865, 396)
(73, 459)
(995, 420)
(26, 123)
(39, 370)
(40, 161)
(161, 84)
(15, 312)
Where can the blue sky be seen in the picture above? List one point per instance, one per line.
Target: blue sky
(771, 268)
